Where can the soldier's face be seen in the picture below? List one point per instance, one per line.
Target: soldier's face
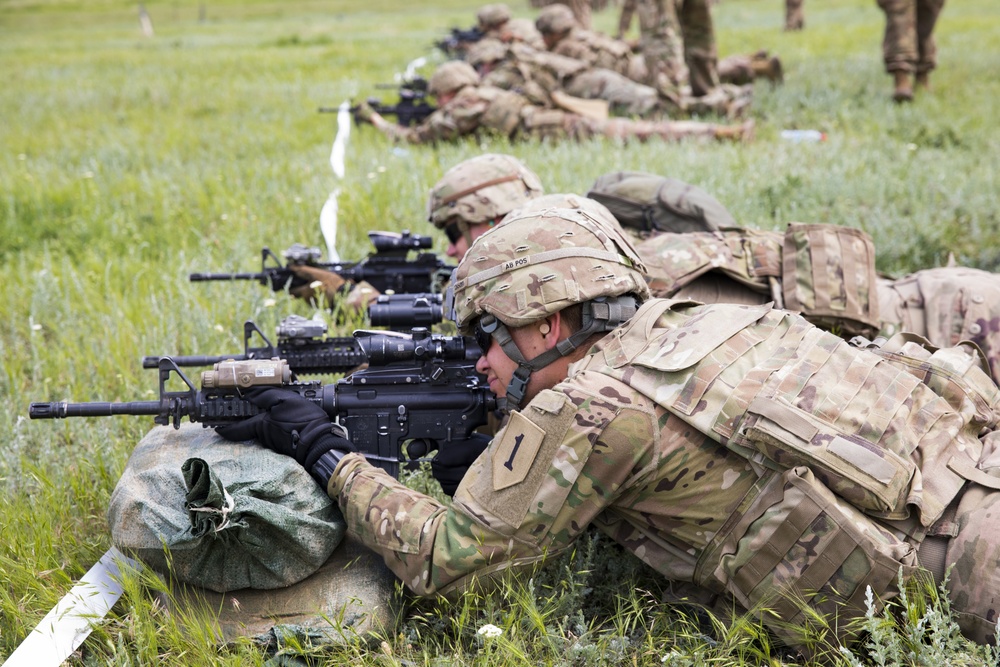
(458, 243)
(531, 341)
(499, 368)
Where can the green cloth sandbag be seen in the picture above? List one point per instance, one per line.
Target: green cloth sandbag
(221, 515)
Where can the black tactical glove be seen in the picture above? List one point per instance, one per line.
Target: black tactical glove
(291, 425)
(450, 464)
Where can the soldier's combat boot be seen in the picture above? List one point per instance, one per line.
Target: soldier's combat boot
(923, 80)
(903, 91)
(768, 68)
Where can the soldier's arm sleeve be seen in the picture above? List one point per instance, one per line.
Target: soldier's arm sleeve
(545, 477)
(439, 126)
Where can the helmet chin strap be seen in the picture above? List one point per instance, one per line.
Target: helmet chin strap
(599, 316)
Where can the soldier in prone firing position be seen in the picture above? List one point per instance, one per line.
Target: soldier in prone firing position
(466, 107)
(695, 436)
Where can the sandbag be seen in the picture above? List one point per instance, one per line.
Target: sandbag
(221, 515)
(648, 202)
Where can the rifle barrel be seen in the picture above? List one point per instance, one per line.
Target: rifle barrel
(196, 277)
(61, 409)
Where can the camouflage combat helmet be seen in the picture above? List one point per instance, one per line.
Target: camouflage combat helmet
(486, 50)
(555, 19)
(493, 16)
(596, 209)
(537, 264)
(452, 76)
(480, 190)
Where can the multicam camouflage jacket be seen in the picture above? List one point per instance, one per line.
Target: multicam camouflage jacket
(736, 447)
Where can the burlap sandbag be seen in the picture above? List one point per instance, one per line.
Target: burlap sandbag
(221, 515)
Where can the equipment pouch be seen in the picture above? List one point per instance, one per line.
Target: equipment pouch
(828, 274)
(794, 546)
(866, 474)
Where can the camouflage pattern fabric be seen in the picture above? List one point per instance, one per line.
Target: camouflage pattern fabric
(946, 305)
(794, 15)
(695, 436)
(908, 45)
(646, 12)
(597, 50)
(700, 53)
(509, 114)
(625, 96)
(537, 74)
(749, 257)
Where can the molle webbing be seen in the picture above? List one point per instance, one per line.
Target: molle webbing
(829, 276)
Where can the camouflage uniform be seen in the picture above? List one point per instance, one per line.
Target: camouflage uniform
(538, 73)
(945, 305)
(661, 68)
(738, 448)
(909, 43)
(794, 17)
(700, 54)
(512, 115)
(495, 22)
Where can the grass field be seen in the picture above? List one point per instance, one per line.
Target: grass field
(127, 162)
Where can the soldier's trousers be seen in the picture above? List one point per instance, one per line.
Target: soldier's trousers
(974, 554)
(624, 95)
(908, 45)
(695, 18)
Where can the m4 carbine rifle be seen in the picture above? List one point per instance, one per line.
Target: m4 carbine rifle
(388, 269)
(457, 43)
(301, 343)
(418, 393)
(411, 109)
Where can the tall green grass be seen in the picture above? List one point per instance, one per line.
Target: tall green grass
(128, 162)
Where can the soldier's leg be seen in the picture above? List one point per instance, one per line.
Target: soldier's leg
(927, 16)
(794, 18)
(974, 557)
(624, 95)
(695, 18)
(899, 46)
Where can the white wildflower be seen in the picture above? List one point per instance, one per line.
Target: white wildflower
(489, 631)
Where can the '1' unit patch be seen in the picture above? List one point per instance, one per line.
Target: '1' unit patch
(516, 452)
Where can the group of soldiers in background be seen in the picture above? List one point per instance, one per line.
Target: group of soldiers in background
(555, 78)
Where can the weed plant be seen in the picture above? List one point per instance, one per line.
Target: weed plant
(127, 162)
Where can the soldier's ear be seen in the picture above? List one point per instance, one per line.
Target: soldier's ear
(551, 328)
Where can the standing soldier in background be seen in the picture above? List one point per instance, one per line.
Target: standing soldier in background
(908, 47)
(794, 17)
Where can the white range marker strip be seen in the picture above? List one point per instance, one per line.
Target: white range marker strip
(68, 624)
(328, 215)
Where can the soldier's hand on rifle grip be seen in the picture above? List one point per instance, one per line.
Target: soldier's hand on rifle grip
(328, 282)
(450, 464)
(290, 424)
